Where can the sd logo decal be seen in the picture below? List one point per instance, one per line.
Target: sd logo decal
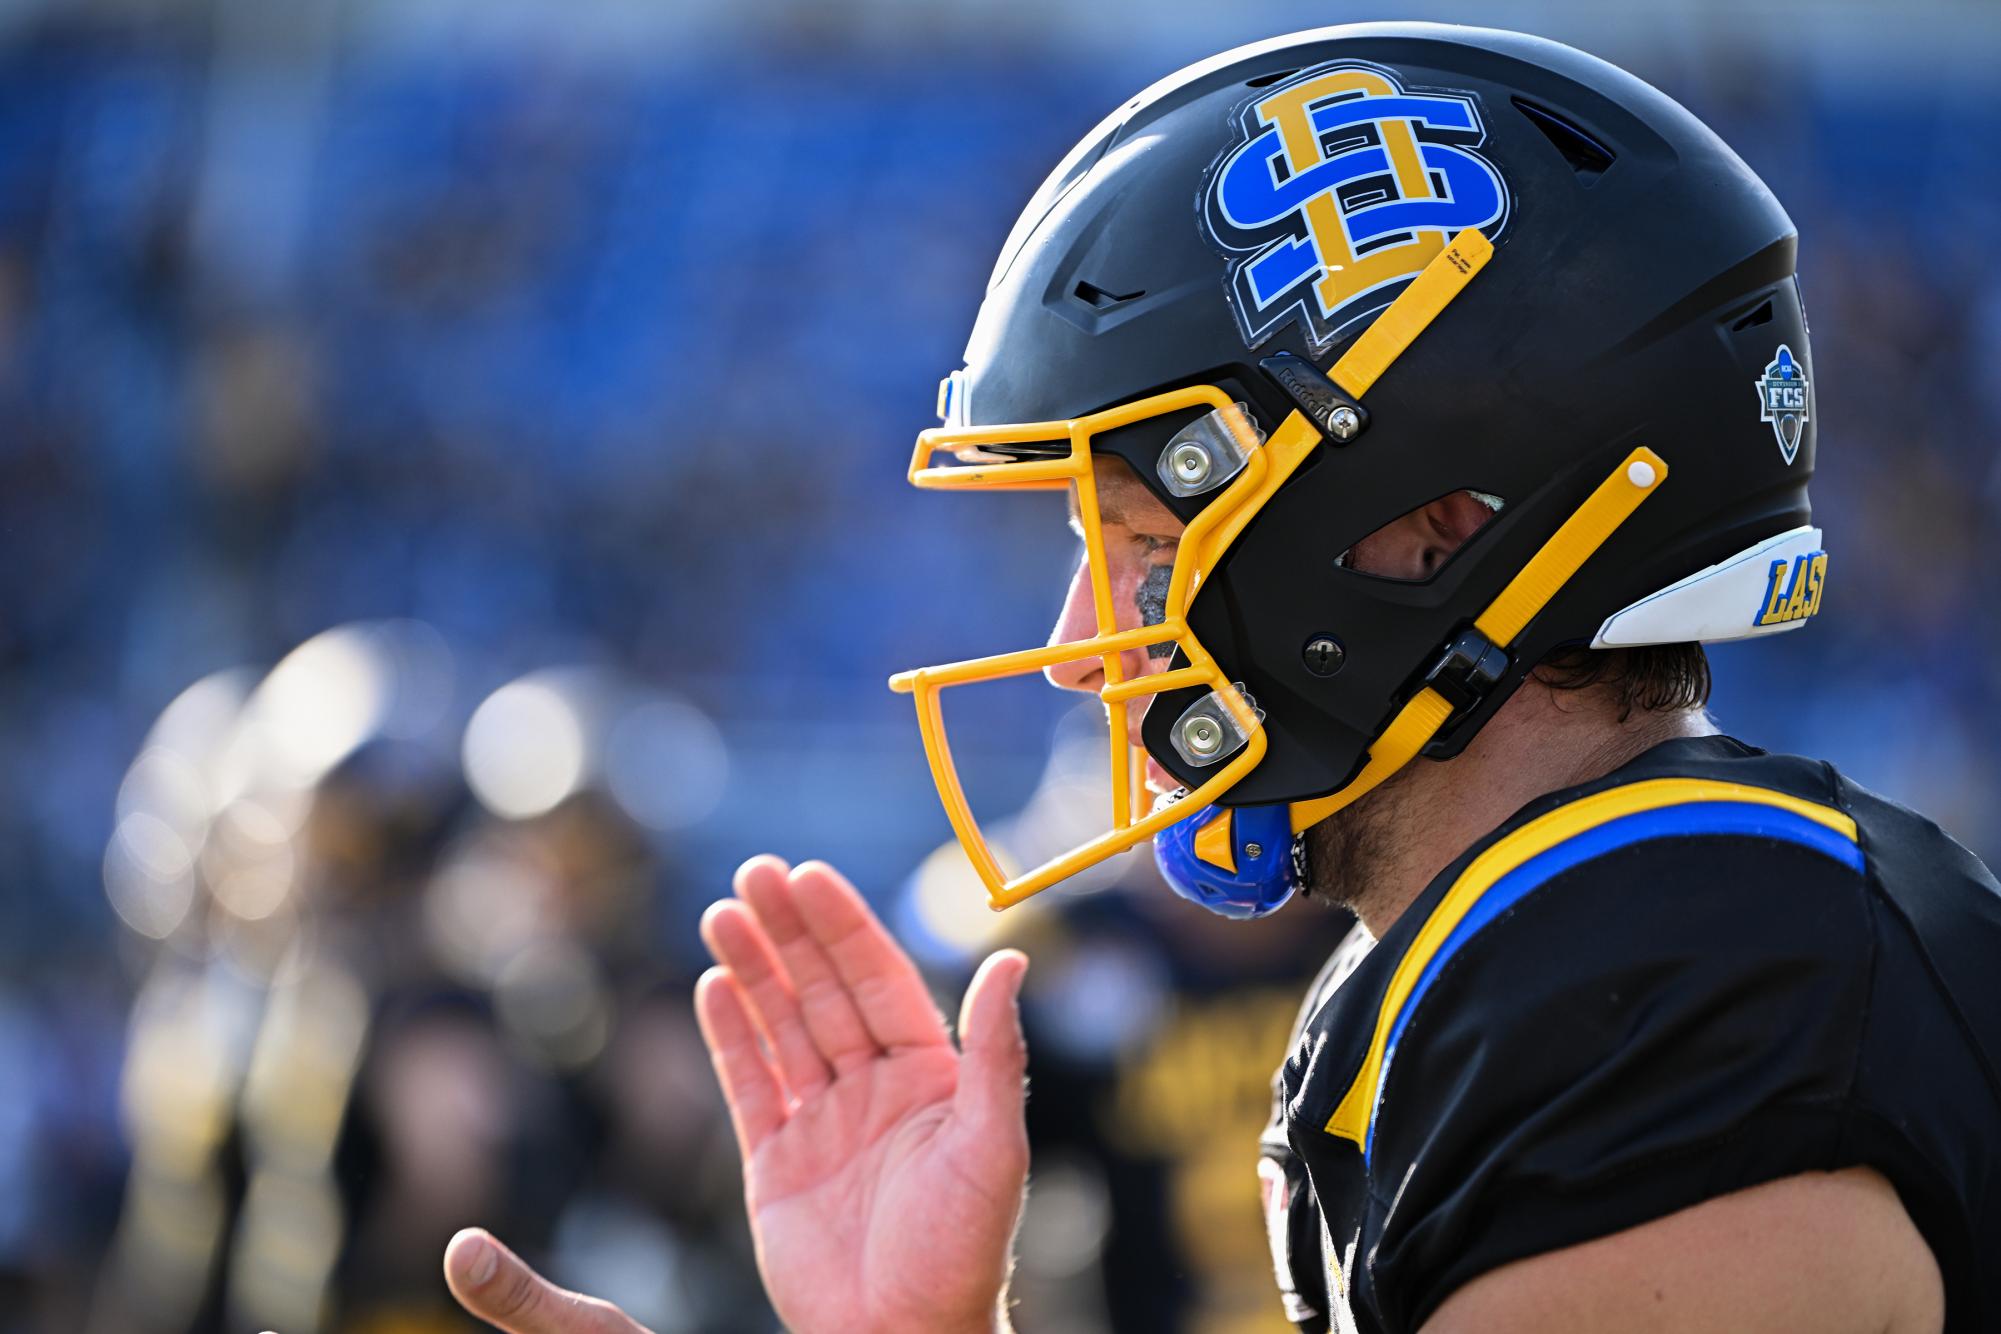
(1344, 186)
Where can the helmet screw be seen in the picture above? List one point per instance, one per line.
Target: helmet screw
(1324, 655)
(1254, 850)
(1344, 422)
(1190, 463)
(1201, 735)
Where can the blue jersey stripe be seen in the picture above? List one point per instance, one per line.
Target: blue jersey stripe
(1743, 819)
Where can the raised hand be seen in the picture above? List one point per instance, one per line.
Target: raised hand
(883, 1167)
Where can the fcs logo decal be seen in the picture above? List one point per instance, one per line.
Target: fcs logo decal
(1793, 598)
(1344, 186)
(1782, 401)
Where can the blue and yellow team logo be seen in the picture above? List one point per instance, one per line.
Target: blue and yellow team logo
(1344, 187)
(1782, 400)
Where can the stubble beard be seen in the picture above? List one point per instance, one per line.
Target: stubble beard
(1348, 851)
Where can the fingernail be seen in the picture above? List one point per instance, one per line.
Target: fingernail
(484, 1261)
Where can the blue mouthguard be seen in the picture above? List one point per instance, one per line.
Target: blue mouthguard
(1247, 868)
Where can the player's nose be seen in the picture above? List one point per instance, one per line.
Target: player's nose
(1078, 620)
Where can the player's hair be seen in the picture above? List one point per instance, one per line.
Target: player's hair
(1647, 679)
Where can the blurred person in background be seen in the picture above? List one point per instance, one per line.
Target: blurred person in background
(273, 841)
(380, 1007)
(1153, 1031)
(269, 839)
(620, 1162)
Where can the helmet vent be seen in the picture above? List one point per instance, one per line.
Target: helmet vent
(1267, 80)
(1097, 298)
(1586, 156)
(1751, 319)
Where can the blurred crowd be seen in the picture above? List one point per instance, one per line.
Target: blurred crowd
(450, 498)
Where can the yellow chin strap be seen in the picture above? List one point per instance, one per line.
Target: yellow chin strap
(1636, 478)
(1531, 589)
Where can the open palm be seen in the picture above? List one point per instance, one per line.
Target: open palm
(883, 1167)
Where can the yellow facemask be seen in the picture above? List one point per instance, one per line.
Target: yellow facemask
(1229, 728)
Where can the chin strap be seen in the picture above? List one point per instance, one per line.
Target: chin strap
(1479, 656)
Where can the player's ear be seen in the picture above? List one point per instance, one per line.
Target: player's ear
(1418, 543)
(1455, 518)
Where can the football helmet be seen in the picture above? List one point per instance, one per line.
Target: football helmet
(1308, 286)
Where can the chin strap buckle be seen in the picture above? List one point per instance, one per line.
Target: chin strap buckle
(1471, 666)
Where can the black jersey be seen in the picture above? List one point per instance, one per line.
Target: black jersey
(1712, 968)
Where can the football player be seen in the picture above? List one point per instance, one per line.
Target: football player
(1426, 396)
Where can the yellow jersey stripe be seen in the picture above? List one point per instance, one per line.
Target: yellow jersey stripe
(1351, 1116)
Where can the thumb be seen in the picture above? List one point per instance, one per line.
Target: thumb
(494, 1284)
(994, 1058)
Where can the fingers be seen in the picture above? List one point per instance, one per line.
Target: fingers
(819, 975)
(492, 1283)
(888, 992)
(995, 1055)
(733, 936)
(825, 1006)
(756, 1102)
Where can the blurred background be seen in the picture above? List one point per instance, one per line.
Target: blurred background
(451, 503)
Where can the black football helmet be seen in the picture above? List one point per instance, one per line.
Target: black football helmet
(1310, 285)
